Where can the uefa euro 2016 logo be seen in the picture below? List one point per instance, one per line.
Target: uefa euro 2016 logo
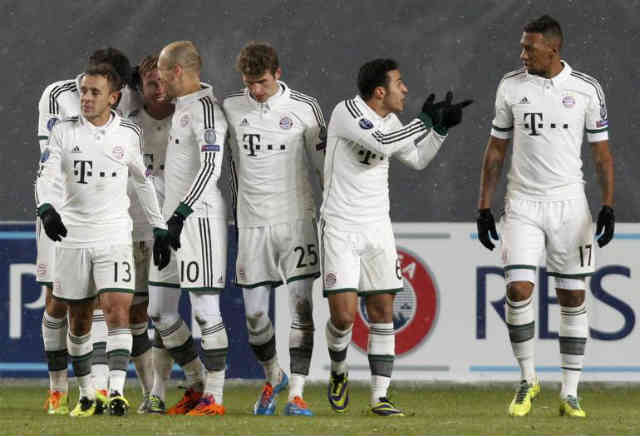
(415, 308)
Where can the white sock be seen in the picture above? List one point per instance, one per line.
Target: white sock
(119, 345)
(58, 381)
(54, 336)
(381, 354)
(338, 343)
(520, 322)
(574, 328)
(162, 365)
(194, 374)
(142, 362)
(99, 334)
(215, 385)
(296, 386)
(85, 385)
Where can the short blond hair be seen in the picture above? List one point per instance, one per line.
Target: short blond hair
(183, 53)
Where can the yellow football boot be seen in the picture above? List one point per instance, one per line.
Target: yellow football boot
(521, 403)
(84, 408)
(571, 407)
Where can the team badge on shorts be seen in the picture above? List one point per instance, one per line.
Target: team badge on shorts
(118, 152)
(415, 308)
(568, 101)
(184, 121)
(365, 124)
(330, 280)
(286, 123)
(210, 136)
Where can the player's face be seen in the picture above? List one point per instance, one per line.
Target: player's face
(536, 55)
(395, 92)
(264, 86)
(168, 77)
(96, 97)
(153, 89)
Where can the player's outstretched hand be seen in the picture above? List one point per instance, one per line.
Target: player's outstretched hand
(161, 250)
(444, 114)
(486, 226)
(606, 222)
(52, 223)
(175, 224)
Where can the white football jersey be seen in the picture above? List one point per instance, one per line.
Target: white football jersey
(94, 163)
(156, 136)
(547, 119)
(194, 155)
(276, 146)
(62, 100)
(356, 172)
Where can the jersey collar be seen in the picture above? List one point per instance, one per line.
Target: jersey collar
(370, 113)
(113, 121)
(555, 80)
(185, 100)
(281, 96)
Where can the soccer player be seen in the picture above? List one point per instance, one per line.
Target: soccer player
(193, 201)
(62, 100)
(154, 118)
(278, 139)
(546, 107)
(358, 251)
(93, 155)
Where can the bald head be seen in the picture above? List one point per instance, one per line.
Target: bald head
(183, 53)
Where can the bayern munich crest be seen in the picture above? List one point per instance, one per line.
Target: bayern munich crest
(568, 101)
(118, 152)
(415, 308)
(286, 123)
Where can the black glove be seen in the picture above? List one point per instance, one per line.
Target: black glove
(443, 114)
(606, 221)
(175, 224)
(486, 226)
(161, 250)
(52, 223)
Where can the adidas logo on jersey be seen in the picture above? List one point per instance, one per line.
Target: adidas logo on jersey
(244, 122)
(76, 149)
(524, 100)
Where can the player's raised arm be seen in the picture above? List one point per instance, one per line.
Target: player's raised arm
(441, 116)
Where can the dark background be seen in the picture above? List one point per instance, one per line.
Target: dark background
(461, 45)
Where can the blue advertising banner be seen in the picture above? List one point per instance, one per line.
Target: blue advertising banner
(22, 302)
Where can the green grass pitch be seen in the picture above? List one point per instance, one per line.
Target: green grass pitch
(432, 409)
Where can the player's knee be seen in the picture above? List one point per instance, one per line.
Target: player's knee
(56, 308)
(80, 318)
(163, 321)
(518, 291)
(571, 298)
(138, 313)
(343, 320)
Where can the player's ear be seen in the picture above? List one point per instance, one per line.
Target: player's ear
(278, 73)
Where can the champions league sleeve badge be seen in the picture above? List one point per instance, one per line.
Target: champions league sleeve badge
(365, 124)
(52, 122)
(210, 136)
(45, 155)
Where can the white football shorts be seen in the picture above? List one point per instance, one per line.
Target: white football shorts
(269, 255)
(83, 273)
(562, 229)
(200, 265)
(363, 261)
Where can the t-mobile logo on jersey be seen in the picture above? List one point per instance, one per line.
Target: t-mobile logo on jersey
(82, 168)
(252, 143)
(533, 121)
